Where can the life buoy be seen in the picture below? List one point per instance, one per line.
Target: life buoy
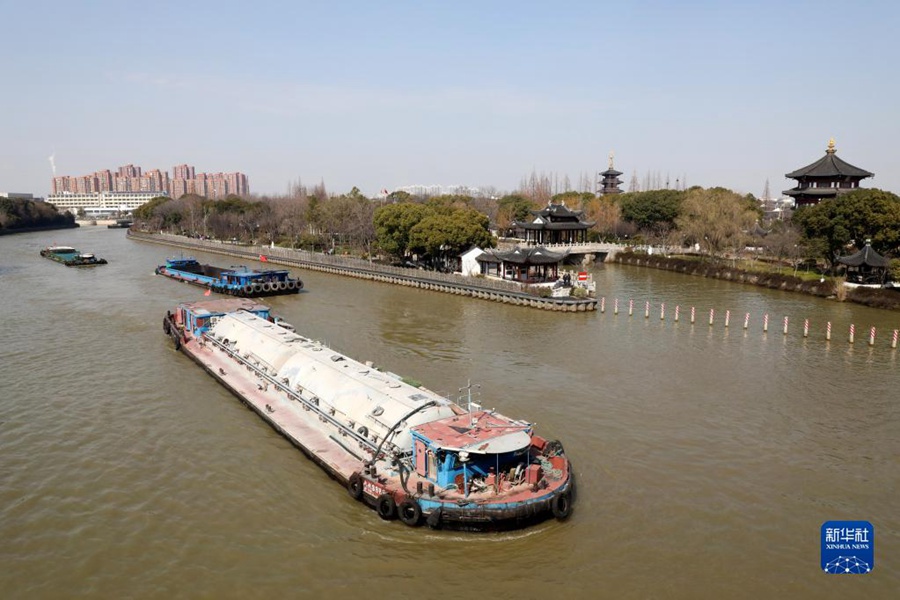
(266, 287)
(363, 431)
(561, 505)
(386, 507)
(256, 288)
(355, 486)
(410, 512)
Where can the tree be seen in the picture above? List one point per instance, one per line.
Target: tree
(606, 214)
(849, 220)
(393, 223)
(654, 211)
(715, 218)
(440, 238)
(513, 207)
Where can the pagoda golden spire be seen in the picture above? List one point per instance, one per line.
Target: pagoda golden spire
(611, 156)
(831, 148)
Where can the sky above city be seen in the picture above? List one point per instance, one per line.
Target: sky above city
(391, 94)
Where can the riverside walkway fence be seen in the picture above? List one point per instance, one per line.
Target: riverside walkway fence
(477, 287)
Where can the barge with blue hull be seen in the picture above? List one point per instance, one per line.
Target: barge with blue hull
(403, 450)
(242, 282)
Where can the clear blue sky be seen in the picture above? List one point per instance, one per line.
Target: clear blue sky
(385, 94)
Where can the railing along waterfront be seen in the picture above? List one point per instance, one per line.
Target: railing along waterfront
(479, 287)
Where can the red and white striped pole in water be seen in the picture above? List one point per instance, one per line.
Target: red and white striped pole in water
(852, 332)
(828, 331)
(647, 309)
(603, 304)
(746, 320)
(630, 307)
(894, 339)
(677, 309)
(785, 325)
(662, 311)
(805, 327)
(727, 317)
(616, 306)
(712, 313)
(872, 336)
(693, 314)
(765, 322)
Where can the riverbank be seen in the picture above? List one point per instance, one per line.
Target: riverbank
(825, 287)
(485, 289)
(5, 231)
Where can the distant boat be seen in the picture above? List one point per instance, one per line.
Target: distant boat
(121, 224)
(71, 257)
(241, 282)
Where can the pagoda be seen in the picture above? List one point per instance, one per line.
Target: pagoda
(825, 178)
(610, 182)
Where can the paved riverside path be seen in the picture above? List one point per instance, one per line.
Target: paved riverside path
(483, 288)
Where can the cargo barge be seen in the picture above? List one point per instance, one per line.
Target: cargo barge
(241, 282)
(71, 257)
(403, 450)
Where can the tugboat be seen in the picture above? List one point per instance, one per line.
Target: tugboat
(71, 257)
(400, 448)
(241, 282)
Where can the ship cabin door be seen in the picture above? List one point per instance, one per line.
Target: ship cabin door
(421, 462)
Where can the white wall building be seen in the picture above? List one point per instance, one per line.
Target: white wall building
(101, 203)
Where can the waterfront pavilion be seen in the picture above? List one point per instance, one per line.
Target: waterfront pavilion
(866, 266)
(554, 224)
(533, 264)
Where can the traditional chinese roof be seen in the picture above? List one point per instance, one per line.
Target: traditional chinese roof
(812, 192)
(532, 255)
(830, 166)
(558, 226)
(555, 212)
(866, 256)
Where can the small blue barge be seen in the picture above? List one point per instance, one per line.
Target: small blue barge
(242, 282)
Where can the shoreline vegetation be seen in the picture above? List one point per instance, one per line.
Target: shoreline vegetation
(821, 286)
(18, 215)
(5, 231)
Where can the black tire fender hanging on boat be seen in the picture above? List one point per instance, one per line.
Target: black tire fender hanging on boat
(386, 507)
(177, 339)
(355, 486)
(561, 505)
(166, 326)
(410, 512)
(434, 519)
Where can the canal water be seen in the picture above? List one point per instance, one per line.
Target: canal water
(707, 457)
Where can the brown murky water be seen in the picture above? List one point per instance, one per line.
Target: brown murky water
(707, 458)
